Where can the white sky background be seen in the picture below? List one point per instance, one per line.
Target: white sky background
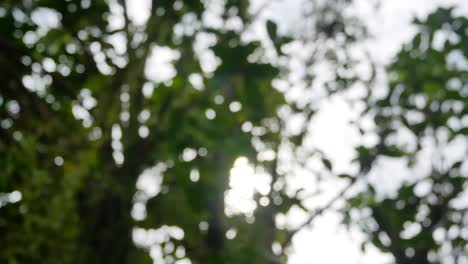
(327, 241)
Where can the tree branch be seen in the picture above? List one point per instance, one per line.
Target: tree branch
(318, 212)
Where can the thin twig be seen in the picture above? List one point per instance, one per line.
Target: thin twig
(319, 212)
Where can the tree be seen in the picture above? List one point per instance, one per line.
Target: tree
(419, 122)
(106, 162)
(79, 124)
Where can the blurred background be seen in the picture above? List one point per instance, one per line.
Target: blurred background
(233, 131)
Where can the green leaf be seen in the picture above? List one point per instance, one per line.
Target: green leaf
(345, 176)
(272, 30)
(393, 151)
(327, 163)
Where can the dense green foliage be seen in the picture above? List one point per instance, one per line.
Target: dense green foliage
(83, 122)
(421, 120)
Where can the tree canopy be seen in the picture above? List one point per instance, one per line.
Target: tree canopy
(420, 121)
(123, 135)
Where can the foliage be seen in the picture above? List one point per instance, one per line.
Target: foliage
(80, 123)
(419, 122)
(103, 162)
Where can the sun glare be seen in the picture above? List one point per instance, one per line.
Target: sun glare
(244, 182)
